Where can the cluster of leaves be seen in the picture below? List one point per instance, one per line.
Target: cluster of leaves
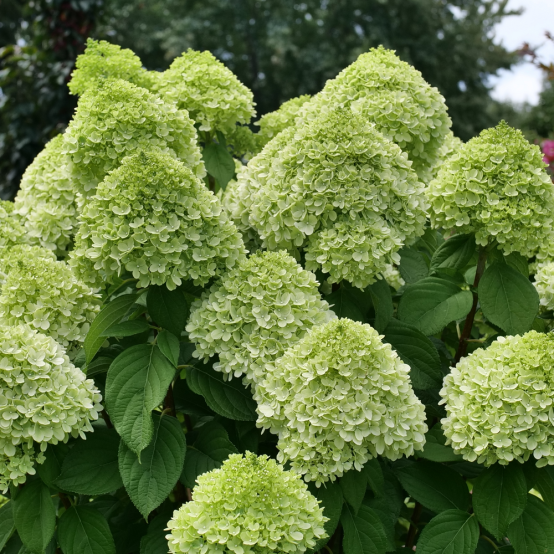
(123, 415)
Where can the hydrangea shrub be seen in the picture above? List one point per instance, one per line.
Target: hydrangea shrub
(330, 335)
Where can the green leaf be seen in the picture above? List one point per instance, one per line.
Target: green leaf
(508, 299)
(545, 484)
(374, 476)
(84, 530)
(330, 497)
(454, 253)
(34, 516)
(533, 531)
(350, 302)
(209, 451)
(91, 465)
(451, 532)
(137, 383)
(416, 350)
(436, 486)
(168, 308)
(353, 485)
(413, 266)
(126, 328)
(98, 366)
(7, 525)
(432, 303)
(364, 532)
(154, 542)
(227, 398)
(51, 468)
(149, 481)
(109, 315)
(435, 448)
(169, 346)
(219, 163)
(499, 497)
(382, 303)
(188, 402)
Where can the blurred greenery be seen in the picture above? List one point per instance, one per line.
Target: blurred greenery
(278, 48)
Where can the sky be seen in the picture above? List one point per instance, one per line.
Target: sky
(524, 82)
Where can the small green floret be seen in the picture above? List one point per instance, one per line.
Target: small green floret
(248, 506)
(46, 201)
(44, 399)
(496, 186)
(155, 219)
(46, 295)
(394, 96)
(211, 93)
(254, 313)
(102, 60)
(544, 283)
(339, 398)
(499, 402)
(11, 230)
(118, 119)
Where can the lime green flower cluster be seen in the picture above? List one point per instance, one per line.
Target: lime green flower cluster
(11, 230)
(45, 294)
(499, 402)
(496, 186)
(254, 313)
(394, 96)
(9, 257)
(339, 398)
(117, 119)
(211, 93)
(154, 218)
(392, 277)
(45, 400)
(544, 283)
(341, 192)
(102, 60)
(271, 124)
(46, 201)
(248, 506)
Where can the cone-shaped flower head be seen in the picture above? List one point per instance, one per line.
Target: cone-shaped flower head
(46, 200)
(393, 95)
(255, 312)
(117, 119)
(154, 218)
(544, 283)
(211, 93)
(11, 230)
(271, 124)
(46, 294)
(499, 402)
(342, 192)
(43, 399)
(102, 60)
(339, 398)
(495, 186)
(248, 506)
(10, 257)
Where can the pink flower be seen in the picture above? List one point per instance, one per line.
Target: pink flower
(548, 151)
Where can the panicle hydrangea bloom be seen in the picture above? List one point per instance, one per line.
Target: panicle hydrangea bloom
(9, 257)
(340, 191)
(392, 277)
(242, 142)
(499, 401)
(394, 96)
(544, 283)
(271, 124)
(209, 91)
(248, 506)
(338, 398)
(45, 294)
(154, 218)
(102, 60)
(495, 186)
(44, 399)
(11, 230)
(118, 119)
(254, 313)
(46, 200)
(450, 146)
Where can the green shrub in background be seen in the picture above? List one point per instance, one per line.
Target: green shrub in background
(322, 337)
